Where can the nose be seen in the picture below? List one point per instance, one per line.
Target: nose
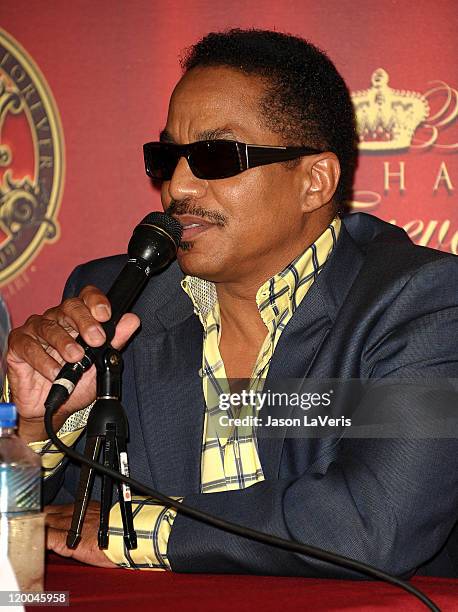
(184, 184)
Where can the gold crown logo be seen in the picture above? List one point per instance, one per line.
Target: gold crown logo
(387, 118)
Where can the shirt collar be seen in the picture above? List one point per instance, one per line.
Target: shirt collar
(285, 289)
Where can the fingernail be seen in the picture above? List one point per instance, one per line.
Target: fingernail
(102, 311)
(95, 334)
(74, 352)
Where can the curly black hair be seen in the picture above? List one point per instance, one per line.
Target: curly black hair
(306, 100)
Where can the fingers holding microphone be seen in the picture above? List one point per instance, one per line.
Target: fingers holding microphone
(38, 349)
(98, 310)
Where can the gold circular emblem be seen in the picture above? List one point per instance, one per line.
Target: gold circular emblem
(31, 160)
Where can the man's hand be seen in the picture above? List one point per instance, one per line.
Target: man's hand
(58, 521)
(38, 349)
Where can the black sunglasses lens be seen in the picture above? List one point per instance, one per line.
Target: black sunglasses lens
(214, 159)
(160, 160)
(207, 159)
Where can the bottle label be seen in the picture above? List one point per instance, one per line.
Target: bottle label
(20, 488)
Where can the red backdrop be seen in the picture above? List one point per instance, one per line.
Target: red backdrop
(111, 65)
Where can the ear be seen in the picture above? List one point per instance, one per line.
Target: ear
(323, 173)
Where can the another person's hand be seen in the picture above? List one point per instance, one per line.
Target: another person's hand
(58, 521)
(38, 349)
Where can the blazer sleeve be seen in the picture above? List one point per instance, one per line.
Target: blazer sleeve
(389, 502)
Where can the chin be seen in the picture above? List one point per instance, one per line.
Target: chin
(200, 265)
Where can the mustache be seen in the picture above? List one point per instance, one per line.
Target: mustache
(186, 207)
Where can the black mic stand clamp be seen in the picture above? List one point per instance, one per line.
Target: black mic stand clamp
(107, 429)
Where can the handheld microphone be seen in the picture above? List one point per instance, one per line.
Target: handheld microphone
(153, 246)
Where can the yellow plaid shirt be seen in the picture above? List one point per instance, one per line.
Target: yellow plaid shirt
(230, 461)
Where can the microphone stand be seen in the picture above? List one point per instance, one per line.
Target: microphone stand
(107, 430)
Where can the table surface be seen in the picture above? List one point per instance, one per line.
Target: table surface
(93, 588)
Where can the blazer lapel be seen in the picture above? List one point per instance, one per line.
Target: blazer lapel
(304, 336)
(167, 361)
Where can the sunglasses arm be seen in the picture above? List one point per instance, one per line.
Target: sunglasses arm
(259, 156)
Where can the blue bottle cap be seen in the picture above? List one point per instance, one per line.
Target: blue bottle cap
(7, 415)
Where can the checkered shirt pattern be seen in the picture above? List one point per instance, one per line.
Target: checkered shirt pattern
(229, 462)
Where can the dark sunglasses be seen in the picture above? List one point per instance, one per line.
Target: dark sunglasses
(214, 159)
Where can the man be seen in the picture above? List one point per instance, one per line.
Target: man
(275, 286)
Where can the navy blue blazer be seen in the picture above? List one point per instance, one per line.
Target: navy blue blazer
(380, 308)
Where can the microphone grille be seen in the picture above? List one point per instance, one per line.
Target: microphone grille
(166, 223)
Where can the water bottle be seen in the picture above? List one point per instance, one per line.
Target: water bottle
(21, 519)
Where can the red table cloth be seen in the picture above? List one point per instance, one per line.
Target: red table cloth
(93, 588)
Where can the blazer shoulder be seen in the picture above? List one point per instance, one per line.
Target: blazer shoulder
(99, 272)
(388, 248)
(102, 273)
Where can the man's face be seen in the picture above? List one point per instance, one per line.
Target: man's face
(241, 229)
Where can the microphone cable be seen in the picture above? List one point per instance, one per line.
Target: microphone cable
(234, 528)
